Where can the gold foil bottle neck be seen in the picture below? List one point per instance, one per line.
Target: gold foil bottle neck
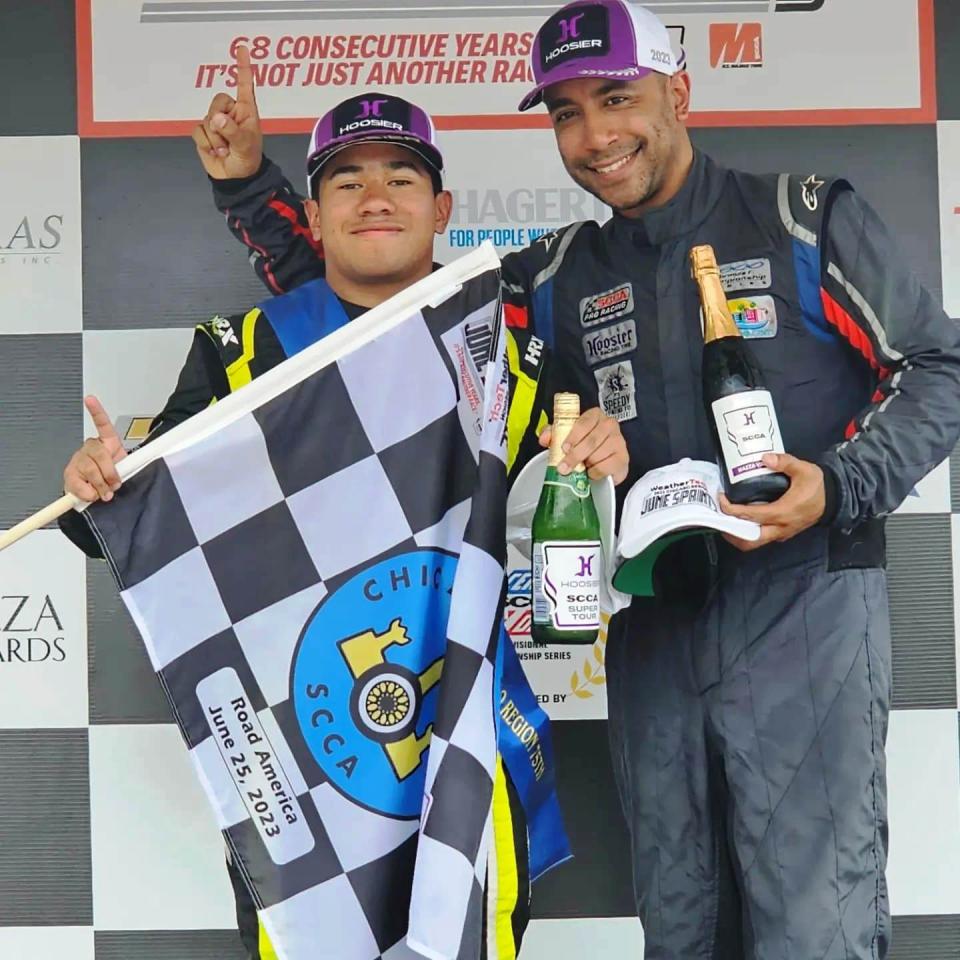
(566, 412)
(566, 406)
(703, 261)
(718, 322)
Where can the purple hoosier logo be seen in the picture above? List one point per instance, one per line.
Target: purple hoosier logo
(369, 108)
(586, 566)
(570, 28)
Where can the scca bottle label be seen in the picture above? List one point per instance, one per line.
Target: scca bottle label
(566, 584)
(747, 427)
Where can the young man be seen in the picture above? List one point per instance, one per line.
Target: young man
(376, 203)
(748, 703)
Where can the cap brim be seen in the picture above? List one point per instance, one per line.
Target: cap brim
(627, 72)
(692, 519)
(428, 154)
(635, 574)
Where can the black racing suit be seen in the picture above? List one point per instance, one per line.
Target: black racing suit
(748, 702)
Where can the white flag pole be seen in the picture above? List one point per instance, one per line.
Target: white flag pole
(40, 519)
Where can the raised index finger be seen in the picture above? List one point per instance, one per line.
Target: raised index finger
(245, 92)
(101, 421)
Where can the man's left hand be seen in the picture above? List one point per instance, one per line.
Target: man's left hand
(797, 510)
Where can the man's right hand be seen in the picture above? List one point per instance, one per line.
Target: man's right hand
(91, 473)
(229, 139)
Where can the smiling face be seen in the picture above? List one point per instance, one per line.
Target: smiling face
(624, 141)
(376, 214)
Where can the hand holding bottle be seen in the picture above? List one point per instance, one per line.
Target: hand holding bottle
(797, 510)
(596, 441)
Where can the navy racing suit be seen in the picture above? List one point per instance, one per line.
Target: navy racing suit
(748, 701)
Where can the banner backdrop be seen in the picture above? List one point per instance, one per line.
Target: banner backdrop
(148, 67)
(110, 252)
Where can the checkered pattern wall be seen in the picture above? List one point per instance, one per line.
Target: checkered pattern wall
(109, 251)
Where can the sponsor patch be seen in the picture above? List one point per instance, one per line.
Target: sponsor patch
(810, 188)
(746, 275)
(609, 342)
(617, 389)
(755, 317)
(608, 305)
(468, 347)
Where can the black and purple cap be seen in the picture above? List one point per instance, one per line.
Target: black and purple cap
(599, 38)
(371, 117)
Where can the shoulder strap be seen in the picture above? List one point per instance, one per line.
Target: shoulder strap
(804, 203)
(305, 315)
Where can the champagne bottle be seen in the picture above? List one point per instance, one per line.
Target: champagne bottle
(566, 555)
(739, 407)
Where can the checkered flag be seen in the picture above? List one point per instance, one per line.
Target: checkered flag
(316, 567)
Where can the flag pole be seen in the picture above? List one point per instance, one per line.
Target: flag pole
(40, 519)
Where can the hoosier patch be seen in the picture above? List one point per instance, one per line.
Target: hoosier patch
(610, 342)
(608, 305)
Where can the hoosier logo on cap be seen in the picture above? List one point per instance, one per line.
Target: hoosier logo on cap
(571, 34)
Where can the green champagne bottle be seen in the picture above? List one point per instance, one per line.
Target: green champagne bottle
(566, 555)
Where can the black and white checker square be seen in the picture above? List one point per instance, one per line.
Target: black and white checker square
(348, 936)
(287, 418)
(259, 562)
(235, 458)
(413, 401)
(428, 494)
(339, 539)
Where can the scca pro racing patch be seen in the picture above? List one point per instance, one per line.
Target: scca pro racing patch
(608, 305)
(617, 388)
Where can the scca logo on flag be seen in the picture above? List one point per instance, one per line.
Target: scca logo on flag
(736, 45)
(365, 679)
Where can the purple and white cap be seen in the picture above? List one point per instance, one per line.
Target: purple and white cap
(376, 117)
(599, 38)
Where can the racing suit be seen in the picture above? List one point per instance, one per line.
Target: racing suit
(748, 701)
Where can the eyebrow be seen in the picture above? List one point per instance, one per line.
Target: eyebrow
(351, 169)
(600, 92)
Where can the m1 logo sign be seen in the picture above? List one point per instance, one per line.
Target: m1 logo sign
(736, 45)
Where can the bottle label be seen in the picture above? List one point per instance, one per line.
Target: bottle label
(747, 426)
(566, 584)
(578, 483)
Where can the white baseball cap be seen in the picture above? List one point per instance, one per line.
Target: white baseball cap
(599, 38)
(663, 506)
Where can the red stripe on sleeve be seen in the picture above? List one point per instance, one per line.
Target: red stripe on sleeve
(265, 257)
(288, 213)
(850, 330)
